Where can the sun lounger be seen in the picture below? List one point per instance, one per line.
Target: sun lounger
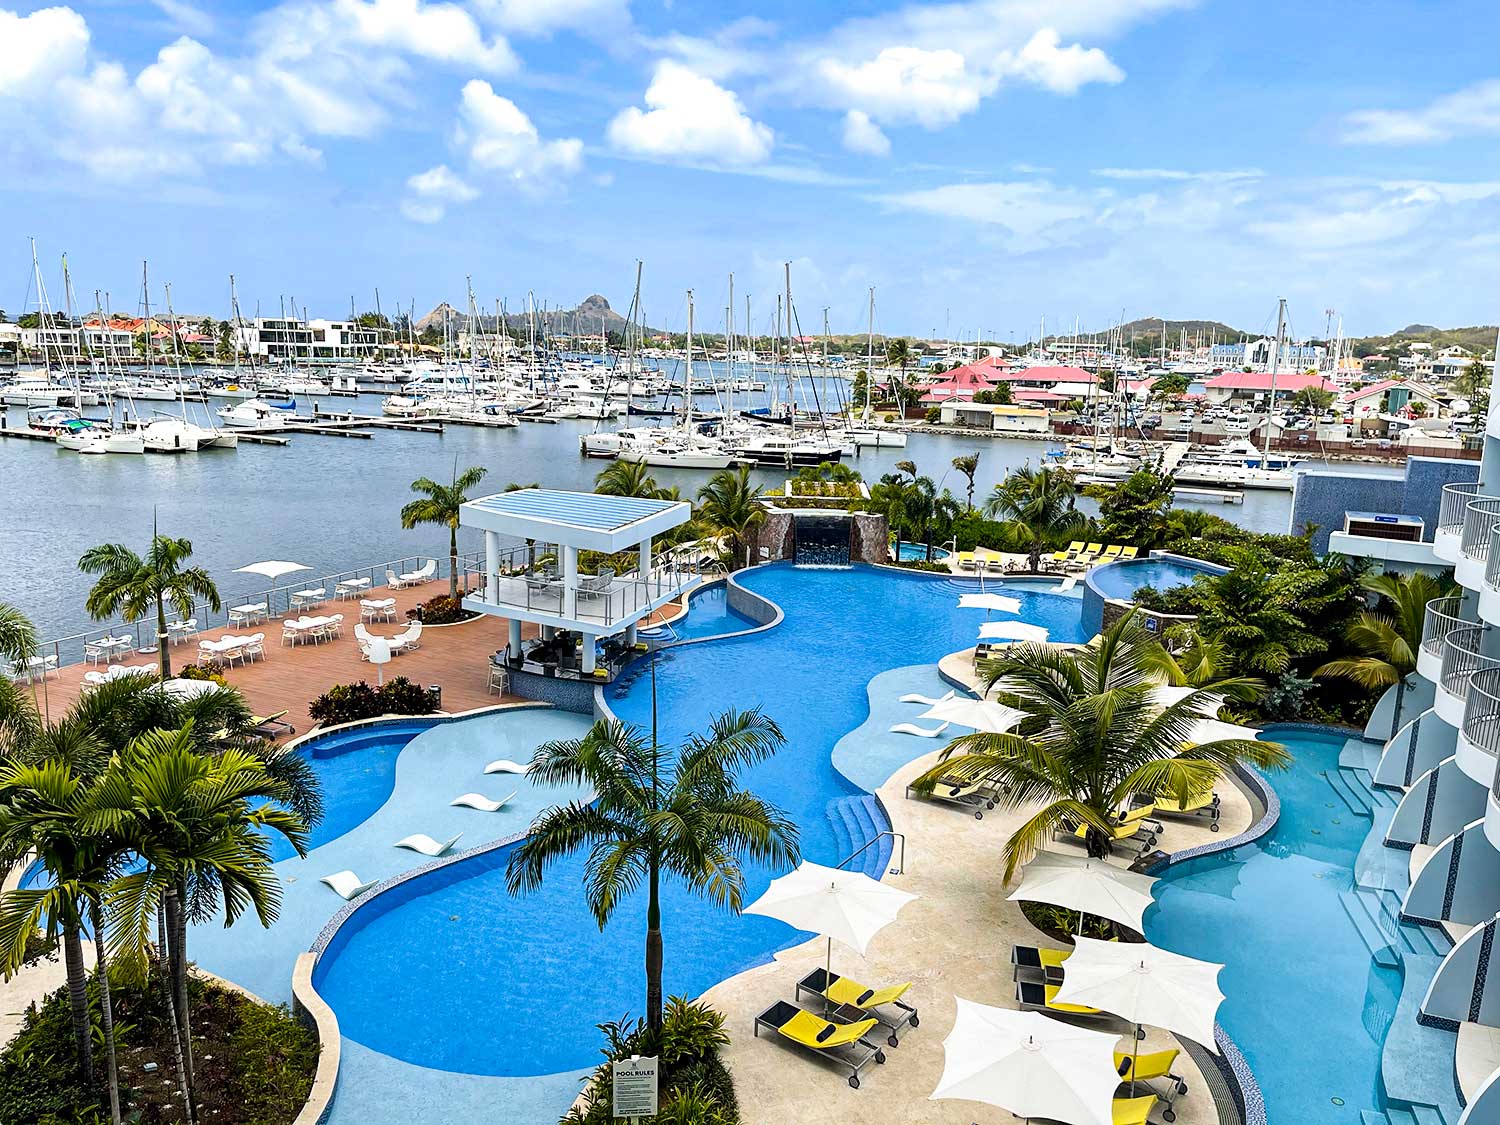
(505, 765)
(1136, 1111)
(269, 726)
(848, 996)
(1111, 553)
(1037, 963)
(1065, 585)
(420, 575)
(1202, 806)
(1076, 547)
(969, 796)
(920, 732)
(481, 802)
(346, 884)
(822, 1037)
(1154, 1066)
(924, 700)
(421, 842)
(966, 560)
(1129, 552)
(1035, 996)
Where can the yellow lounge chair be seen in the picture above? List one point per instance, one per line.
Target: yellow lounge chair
(972, 795)
(1133, 825)
(850, 995)
(966, 560)
(1153, 1066)
(1034, 996)
(1129, 552)
(1061, 556)
(1111, 553)
(1095, 548)
(823, 1037)
(1135, 1111)
(1075, 547)
(1200, 806)
(269, 726)
(1036, 961)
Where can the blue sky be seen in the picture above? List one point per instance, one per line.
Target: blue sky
(982, 163)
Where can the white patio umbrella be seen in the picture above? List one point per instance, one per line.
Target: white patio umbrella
(980, 714)
(272, 569)
(1165, 695)
(1089, 886)
(847, 905)
(989, 601)
(1011, 631)
(1216, 730)
(1030, 1065)
(1145, 984)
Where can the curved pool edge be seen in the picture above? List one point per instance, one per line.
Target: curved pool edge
(309, 1007)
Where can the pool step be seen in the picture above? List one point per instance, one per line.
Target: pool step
(1376, 940)
(856, 821)
(1363, 784)
(1341, 785)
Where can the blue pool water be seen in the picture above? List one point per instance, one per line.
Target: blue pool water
(1122, 580)
(914, 552)
(1305, 1003)
(471, 979)
(709, 615)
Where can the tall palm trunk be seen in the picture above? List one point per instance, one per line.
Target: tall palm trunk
(106, 1008)
(177, 945)
(78, 1001)
(1097, 845)
(163, 658)
(452, 562)
(653, 952)
(163, 959)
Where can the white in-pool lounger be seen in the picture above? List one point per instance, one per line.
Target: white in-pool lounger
(920, 732)
(481, 802)
(1065, 585)
(505, 765)
(924, 701)
(346, 884)
(421, 842)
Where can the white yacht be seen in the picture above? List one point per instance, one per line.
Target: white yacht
(38, 390)
(253, 413)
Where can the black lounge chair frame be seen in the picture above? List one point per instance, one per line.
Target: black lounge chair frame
(820, 979)
(775, 1017)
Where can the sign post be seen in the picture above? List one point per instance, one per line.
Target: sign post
(635, 1082)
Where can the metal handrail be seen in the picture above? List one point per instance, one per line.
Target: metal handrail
(1462, 658)
(1481, 517)
(1443, 615)
(1481, 724)
(1456, 498)
(895, 836)
(1492, 569)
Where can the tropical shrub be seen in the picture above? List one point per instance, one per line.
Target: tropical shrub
(211, 670)
(934, 414)
(348, 703)
(441, 610)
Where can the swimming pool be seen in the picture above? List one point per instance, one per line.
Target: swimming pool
(917, 552)
(709, 615)
(1307, 1004)
(1122, 580)
(452, 949)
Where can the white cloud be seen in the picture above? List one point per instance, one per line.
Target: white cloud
(429, 193)
(932, 88)
(543, 17)
(501, 138)
(1178, 174)
(863, 135)
(690, 117)
(38, 49)
(441, 32)
(185, 17)
(1063, 70)
(1034, 212)
(1472, 111)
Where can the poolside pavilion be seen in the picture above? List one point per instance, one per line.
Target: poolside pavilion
(532, 543)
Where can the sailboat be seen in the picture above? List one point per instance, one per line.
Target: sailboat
(867, 436)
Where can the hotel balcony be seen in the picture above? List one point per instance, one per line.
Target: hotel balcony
(1479, 733)
(1448, 537)
(1443, 616)
(1481, 518)
(1462, 657)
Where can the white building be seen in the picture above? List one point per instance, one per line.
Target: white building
(290, 340)
(1001, 419)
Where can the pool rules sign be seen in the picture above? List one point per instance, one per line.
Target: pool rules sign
(635, 1087)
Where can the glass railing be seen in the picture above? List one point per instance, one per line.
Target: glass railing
(1462, 658)
(1481, 725)
(1456, 499)
(1481, 517)
(1443, 616)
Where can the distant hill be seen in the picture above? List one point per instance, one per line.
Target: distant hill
(1479, 339)
(585, 317)
(1150, 328)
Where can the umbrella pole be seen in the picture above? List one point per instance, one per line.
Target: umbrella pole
(827, 977)
(1135, 1054)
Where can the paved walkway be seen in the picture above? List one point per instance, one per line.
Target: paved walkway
(953, 941)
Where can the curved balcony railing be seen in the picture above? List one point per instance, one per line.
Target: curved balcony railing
(1481, 724)
(1456, 499)
(1492, 568)
(1481, 517)
(1443, 616)
(1462, 658)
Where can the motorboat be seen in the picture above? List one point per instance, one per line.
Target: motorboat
(254, 413)
(38, 390)
(878, 439)
(786, 450)
(234, 391)
(81, 435)
(166, 434)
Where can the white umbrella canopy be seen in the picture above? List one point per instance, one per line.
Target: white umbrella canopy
(845, 905)
(1216, 730)
(1145, 985)
(980, 714)
(1165, 695)
(989, 601)
(271, 568)
(1090, 886)
(1030, 1065)
(1011, 631)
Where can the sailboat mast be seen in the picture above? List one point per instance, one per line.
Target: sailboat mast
(687, 397)
(870, 353)
(1265, 455)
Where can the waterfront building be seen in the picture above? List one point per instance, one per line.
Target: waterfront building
(291, 340)
(1253, 388)
(1018, 419)
(1257, 355)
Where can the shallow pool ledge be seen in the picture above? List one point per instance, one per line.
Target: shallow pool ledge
(313, 1011)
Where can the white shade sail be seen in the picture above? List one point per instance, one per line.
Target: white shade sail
(272, 568)
(1011, 631)
(1090, 885)
(989, 601)
(981, 715)
(847, 906)
(1147, 985)
(1030, 1065)
(1216, 730)
(1165, 695)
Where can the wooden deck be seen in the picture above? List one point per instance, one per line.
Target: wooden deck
(455, 657)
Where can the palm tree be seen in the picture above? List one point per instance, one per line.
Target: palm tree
(1040, 505)
(898, 353)
(889, 497)
(627, 478)
(685, 817)
(968, 465)
(18, 717)
(131, 585)
(202, 844)
(729, 505)
(440, 504)
(1094, 735)
(1190, 658)
(1386, 641)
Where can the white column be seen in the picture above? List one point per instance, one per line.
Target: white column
(491, 566)
(515, 639)
(630, 634)
(588, 654)
(645, 566)
(570, 582)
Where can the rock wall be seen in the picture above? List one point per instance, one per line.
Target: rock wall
(869, 538)
(870, 541)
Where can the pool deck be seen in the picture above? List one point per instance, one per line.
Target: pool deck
(291, 677)
(952, 941)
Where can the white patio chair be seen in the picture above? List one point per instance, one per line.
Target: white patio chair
(255, 646)
(395, 581)
(335, 627)
(94, 679)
